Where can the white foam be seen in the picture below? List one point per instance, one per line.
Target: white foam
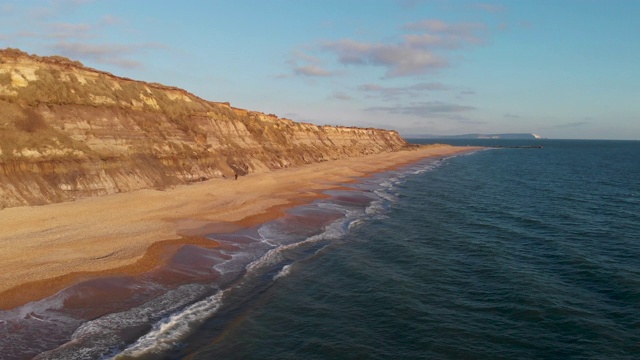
(167, 333)
(269, 249)
(273, 256)
(355, 223)
(37, 325)
(285, 271)
(234, 264)
(423, 170)
(143, 314)
(268, 234)
(96, 338)
(41, 309)
(333, 206)
(375, 208)
(385, 195)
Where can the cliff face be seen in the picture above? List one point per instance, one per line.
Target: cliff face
(68, 131)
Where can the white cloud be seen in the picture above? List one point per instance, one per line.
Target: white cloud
(577, 124)
(341, 96)
(68, 30)
(491, 8)
(393, 92)
(84, 41)
(312, 70)
(304, 64)
(401, 59)
(450, 35)
(423, 109)
(423, 48)
(113, 54)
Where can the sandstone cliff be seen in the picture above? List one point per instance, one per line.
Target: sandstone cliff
(68, 131)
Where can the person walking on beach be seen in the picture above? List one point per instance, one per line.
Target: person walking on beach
(236, 176)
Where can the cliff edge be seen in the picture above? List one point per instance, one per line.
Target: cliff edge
(68, 131)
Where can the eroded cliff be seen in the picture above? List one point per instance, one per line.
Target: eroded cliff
(68, 131)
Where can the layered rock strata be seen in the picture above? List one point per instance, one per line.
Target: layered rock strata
(68, 131)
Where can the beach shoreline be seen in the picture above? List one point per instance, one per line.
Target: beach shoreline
(48, 248)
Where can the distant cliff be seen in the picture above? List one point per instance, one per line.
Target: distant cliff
(509, 136)
(68, 131)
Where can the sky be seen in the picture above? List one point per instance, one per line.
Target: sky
(567, 69)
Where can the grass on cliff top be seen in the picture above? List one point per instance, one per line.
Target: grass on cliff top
(59, 87)
(51, 89)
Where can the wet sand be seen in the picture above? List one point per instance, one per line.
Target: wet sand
(48, 248)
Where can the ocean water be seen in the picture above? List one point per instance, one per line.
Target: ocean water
(510, 253)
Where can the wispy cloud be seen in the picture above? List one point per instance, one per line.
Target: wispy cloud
(464, 120)
(110, 20)
(525, 24)
(41, 13)
(424, 47)
(438, 33)
(69, 31)
(7, 9)
(577, 124)
(116, 54)
(341, 96)
(424, 109)
(491, 8)
(77, 2)
(68, 5)
(410, 4)
(304, 64)
(389, 93)
(312, 70)
(83, 41)
(113, 54)
(402, 59)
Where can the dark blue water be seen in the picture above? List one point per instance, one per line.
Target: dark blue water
(502, 254)
(506, 253)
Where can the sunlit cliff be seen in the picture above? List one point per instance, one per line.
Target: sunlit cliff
(68, 131)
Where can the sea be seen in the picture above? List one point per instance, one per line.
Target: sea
(510, 252)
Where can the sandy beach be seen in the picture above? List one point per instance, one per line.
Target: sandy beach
(47, 248)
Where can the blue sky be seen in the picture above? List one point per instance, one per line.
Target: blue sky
(558, 68)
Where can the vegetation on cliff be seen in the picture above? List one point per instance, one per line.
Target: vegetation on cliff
(68, 131)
